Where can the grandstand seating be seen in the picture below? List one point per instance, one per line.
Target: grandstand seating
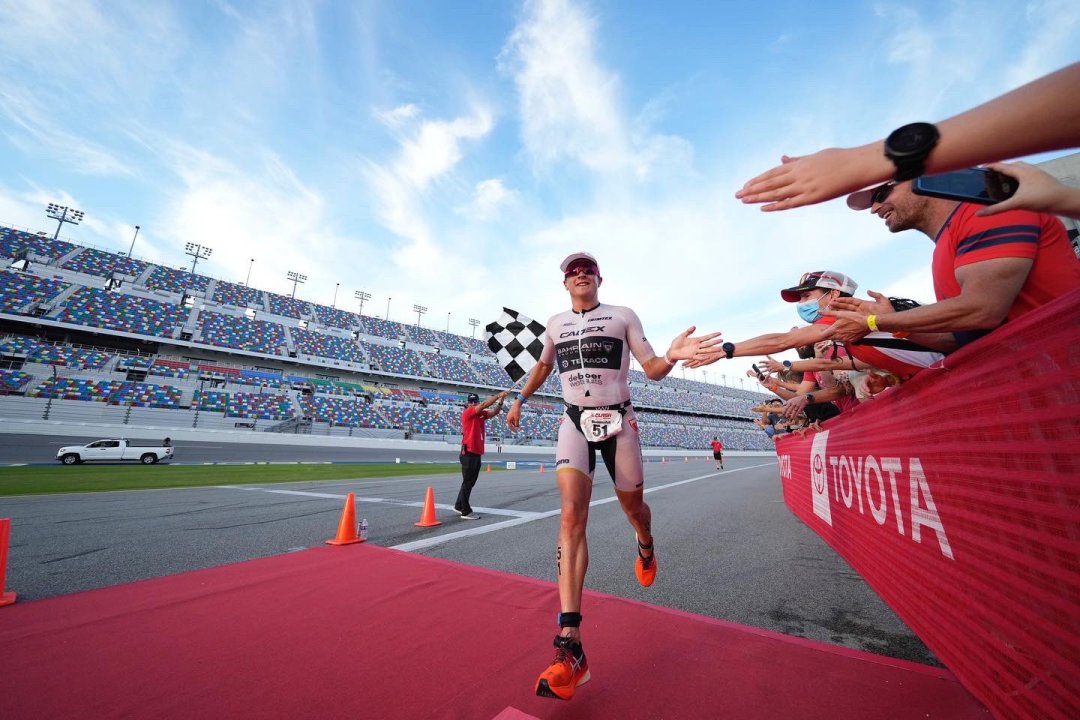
(170, 368)
(114, 392)
(228, 293)
(259, 406)
(288, 307)
(242, 333)
(179, 281)
(392, 359)
(11, 241)
(343, 412)
(334, 317)
(13, 380)
(384, 329)
(327, 346)
(104, 264)
(423, 336)
(19, 290)
(118, 311)
(474, 346)
(211, 400)
(450, 367)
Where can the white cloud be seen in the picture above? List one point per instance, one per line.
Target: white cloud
(568, 105)
(398, 116)
(488, 200)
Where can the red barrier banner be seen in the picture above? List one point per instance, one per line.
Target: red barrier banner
(957, 497)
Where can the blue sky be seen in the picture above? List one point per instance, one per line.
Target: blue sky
(449, 154)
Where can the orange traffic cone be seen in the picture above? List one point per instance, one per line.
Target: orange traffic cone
(663, 460)
(541, 468)
(489, 467)
(686, 458)
(6, 598)
(346, 529)
(427, 517)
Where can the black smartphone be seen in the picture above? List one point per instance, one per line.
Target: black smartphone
(974, 185)
(760, 375)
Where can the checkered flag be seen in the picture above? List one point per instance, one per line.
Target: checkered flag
(516, 341)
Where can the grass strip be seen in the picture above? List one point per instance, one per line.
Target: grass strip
(99, 478)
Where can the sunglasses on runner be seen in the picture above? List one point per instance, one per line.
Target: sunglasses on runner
(573, 270)
(882, 192)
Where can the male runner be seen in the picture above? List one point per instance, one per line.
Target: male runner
(591, 345)
(718, 453)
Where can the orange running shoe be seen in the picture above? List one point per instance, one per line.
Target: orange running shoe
(645, 567)
(569, 670)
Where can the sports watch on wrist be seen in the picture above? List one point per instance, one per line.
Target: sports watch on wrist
(729, 350)
(787, 364)
(908, 146)
(809, 398)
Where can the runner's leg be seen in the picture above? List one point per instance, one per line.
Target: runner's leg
(572, 554)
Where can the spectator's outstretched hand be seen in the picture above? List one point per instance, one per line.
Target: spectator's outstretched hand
(1038, 191)
(811, 179)
(877, 305)
(696, 351)
(772, 365)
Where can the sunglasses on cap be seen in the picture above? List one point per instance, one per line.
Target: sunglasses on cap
(882, 192)
(574, 270)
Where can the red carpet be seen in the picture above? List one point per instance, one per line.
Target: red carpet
(365, 632)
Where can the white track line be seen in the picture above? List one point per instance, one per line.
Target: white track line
(519, 517)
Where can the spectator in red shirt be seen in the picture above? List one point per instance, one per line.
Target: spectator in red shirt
(473, 417)
(987, 270)
(718, 452)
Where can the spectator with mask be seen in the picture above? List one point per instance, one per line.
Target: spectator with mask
(815, 293)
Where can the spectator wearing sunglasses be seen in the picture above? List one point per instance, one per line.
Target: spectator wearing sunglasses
(986, 270)
(591, 344)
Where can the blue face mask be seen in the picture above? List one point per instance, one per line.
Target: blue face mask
(809, 311)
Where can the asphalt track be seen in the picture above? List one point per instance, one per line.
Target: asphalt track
(728, 547)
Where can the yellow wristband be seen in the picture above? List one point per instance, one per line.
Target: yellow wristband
(871, 322)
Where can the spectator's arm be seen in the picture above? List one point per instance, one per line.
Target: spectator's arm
(1042, 115)
(763, 344)
(1039, 191)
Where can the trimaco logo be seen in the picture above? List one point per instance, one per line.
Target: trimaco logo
(848, 477)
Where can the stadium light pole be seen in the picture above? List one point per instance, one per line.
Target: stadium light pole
(361, 296)
(419, 310)
(447, 323)
(132, 248)
(297, 279)
(197, 252)
(388, 299)
(334, 303)
(247, 283)
(60, 212)
(474, 322)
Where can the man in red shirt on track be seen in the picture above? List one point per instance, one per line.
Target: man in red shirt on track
(473, 417)
(718, 453)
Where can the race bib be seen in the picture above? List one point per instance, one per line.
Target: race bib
(600, 424)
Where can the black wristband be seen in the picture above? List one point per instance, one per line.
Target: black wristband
(569, 619)
(729, 350)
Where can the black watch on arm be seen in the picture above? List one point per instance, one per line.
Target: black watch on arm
(908, 147)
(729, 350)
(787, 364)
(809, 398)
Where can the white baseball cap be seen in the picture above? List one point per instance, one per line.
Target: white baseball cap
(577, 256)
(825, 279)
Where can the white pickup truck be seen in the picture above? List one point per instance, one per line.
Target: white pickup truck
(114, 450)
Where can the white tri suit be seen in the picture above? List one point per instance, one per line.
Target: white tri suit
(591, 352)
